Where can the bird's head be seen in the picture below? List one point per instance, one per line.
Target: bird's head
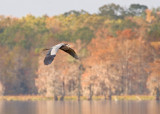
(67, 45)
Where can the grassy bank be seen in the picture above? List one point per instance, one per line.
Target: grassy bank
(37, 98)
(24, 98)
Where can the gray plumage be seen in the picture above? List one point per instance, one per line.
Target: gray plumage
(53, 50)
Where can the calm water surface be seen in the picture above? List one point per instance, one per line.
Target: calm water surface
(82, 107)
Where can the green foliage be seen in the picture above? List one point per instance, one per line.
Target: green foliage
(115, 26)
(24, 33)
(8, 35)
(77, 13)
(64, 36)
(111, 11)
(154, 32)
(84, 34)
(137, 9)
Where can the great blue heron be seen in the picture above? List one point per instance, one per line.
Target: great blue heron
(53, 50)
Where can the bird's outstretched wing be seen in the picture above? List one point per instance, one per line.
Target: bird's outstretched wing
(49, 58)
(69, 50)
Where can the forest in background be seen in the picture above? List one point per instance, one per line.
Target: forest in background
(119, 50)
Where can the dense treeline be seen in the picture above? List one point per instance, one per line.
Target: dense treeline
(118, 49)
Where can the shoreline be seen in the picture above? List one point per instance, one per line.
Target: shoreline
(40, 98)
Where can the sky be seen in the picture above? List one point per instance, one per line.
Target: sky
(20, 8)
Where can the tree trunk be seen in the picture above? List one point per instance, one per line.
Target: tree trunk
(1, 89)
(157, 94)
(81, 69)
(55, 97)
(62, 98)
(110, 94)
(63, 91)
(90, 92)
(105, 97)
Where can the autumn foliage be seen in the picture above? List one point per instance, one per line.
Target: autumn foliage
(118, 50)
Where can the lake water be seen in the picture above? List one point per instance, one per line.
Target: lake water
(82, 107)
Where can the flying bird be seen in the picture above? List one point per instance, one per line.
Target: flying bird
(53, 50)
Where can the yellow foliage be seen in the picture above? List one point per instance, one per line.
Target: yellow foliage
(149, 16)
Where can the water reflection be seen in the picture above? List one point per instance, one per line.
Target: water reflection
(82, 107)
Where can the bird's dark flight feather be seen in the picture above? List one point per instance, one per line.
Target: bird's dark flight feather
(48, 59)
(69, 51)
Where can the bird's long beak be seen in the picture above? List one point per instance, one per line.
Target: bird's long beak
(45, 49)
